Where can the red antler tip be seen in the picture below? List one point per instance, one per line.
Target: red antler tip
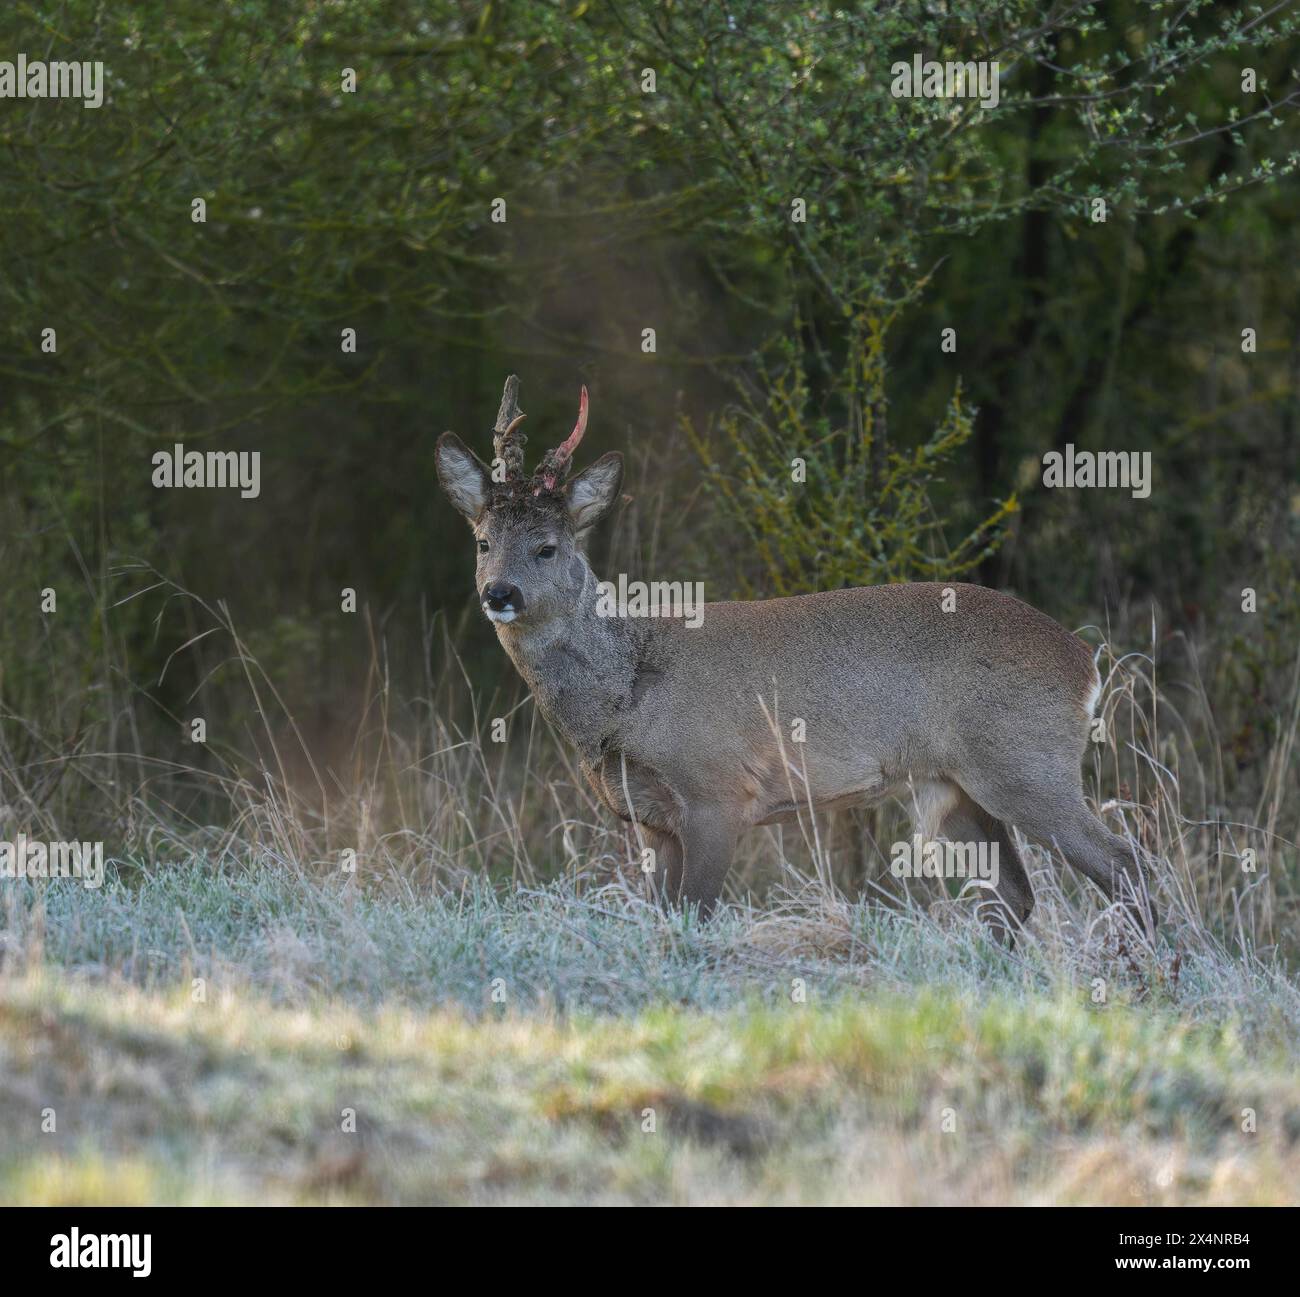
(565, 451)
(556, 463)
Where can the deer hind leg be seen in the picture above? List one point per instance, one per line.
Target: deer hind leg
(1007, 905)
(1106, 859)
(942, 809)
(1053, 813)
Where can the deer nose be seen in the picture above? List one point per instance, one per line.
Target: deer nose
(500, 597)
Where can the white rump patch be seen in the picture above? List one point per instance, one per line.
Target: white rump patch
(1094, 694)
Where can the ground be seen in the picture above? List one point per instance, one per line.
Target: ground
(249, 1033)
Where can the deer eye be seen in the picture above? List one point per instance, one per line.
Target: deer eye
(546, 551)
(482, 546)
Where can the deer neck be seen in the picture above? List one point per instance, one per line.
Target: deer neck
(581, 668)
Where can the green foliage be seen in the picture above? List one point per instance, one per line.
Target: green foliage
(825, 502)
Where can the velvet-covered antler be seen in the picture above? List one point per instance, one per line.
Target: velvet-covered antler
(507, 439)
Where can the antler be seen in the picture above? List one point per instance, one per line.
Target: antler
(555, 464)
(507, 439)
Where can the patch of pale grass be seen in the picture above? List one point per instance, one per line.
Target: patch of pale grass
(932, 1097)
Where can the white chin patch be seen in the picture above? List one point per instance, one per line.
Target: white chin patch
(504, 615)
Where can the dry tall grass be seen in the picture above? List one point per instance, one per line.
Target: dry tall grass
(427, 803)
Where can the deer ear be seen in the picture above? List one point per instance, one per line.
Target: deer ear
(464, 476)
(591, 494)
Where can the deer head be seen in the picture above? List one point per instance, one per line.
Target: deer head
(530, 531)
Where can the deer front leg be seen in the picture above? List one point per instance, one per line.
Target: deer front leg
(666, 874)
(709, 837)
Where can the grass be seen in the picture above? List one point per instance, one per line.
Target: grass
(932, 1097)
(199, 1032)
(491, 995)
(257, 927)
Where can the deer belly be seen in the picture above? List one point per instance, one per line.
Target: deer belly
(807, 781)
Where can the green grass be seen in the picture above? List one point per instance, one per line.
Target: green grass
(789, 1053)
(161, 1099)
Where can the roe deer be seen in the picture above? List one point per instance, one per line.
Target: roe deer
(979, 714)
